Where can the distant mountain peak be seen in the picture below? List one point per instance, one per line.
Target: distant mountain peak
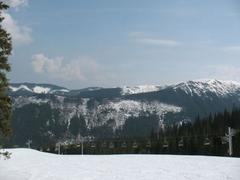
(201, 87)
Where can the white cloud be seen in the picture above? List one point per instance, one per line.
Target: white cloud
(83, 68)
(20, 34)
(16, 3)
(149, 39)
(42, 64)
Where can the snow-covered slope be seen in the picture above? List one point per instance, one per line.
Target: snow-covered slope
(120, 111)
(198, 87)
(101, 114)
(28, 164)
(126, 90)
(202, 87)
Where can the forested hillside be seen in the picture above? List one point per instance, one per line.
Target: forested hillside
(203, 136)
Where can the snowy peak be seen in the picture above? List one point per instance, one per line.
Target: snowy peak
(126, 90)
(202, 87)
(36, 88)
(194, 87)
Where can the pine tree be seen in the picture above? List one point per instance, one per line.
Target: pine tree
(5, 52)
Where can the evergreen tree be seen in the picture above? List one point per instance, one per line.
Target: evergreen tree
(5, 101)
(5, 51)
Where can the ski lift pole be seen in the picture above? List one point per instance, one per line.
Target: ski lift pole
(59, 148)
(28, 143)
(82, 147)
(230, 134)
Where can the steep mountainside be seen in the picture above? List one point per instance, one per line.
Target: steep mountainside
(47, 113)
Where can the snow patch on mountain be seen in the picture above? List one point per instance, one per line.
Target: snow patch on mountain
(126, 90)
(41, 90)
(94, 88)
(21, 87)
(59, 90)
(100, 113)
(121, 110)
(118, 111)
(21, 101)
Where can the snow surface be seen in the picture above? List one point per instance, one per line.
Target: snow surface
(28, 164)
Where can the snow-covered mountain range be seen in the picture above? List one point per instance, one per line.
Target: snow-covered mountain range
(197, 87)
(54, 112)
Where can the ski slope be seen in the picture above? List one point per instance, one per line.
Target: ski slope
(26, 164)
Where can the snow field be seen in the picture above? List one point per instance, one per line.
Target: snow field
(28, 164)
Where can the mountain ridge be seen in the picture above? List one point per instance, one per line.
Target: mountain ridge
(129, 90)
(107, 112)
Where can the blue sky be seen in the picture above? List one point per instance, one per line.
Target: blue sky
(111, 43)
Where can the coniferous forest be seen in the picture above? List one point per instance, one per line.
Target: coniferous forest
(204, 136)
